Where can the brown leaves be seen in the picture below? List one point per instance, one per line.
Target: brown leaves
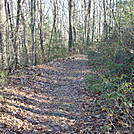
(49, 98)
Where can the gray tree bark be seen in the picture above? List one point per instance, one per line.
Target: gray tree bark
(3, 63)
(88, 24)
(33, 7)
(70, 42)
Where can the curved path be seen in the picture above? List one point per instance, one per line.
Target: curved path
(49, 99)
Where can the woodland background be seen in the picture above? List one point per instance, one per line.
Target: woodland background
(34, 32)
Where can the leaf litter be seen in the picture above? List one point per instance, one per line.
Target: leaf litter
(50, 99)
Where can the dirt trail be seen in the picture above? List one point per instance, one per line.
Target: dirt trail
(49, 99)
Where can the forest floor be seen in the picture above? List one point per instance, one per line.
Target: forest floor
(50, 99)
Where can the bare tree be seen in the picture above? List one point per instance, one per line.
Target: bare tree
(24, 43)
(16, 43)
(88, 24)
(41, 31)
(2, 34)
(33, 7)
(93, 25)
(105, 20)
(70, 42)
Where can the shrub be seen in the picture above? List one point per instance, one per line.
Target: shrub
(3, 75)
(113, 83)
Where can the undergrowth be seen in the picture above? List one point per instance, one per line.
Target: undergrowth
(3, 75)
(113, 80)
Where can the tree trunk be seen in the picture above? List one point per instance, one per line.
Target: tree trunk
(93, 26)
(88, 25)
(16, 34)
(105, 20)
(70, 42)
(33, 2)
(3, 63)
(41, 33)
(24, 37)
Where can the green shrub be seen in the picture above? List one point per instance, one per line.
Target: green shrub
(3, 75)
(113, 83)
